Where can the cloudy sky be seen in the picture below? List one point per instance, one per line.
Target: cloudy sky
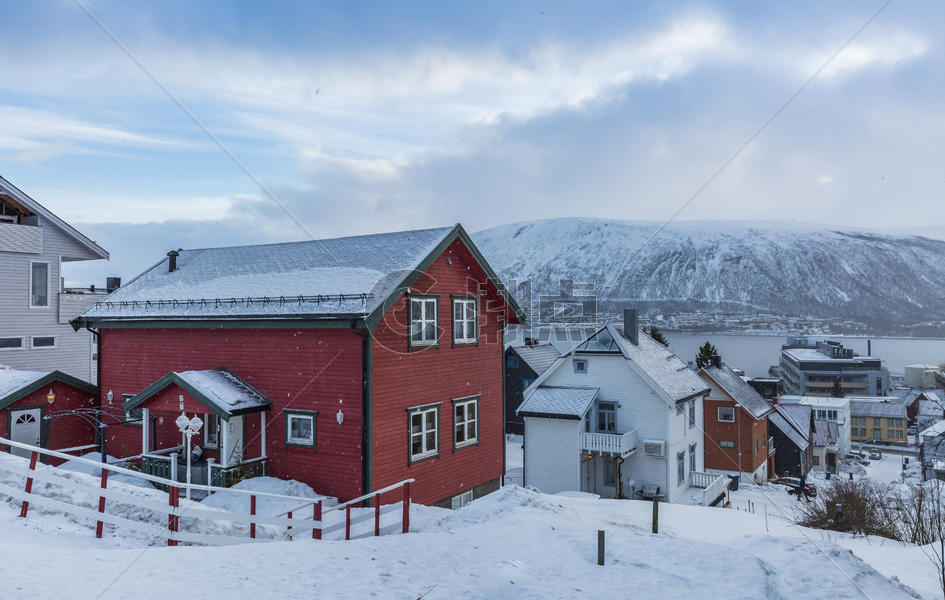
(370, 118)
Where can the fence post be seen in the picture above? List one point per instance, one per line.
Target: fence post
(600, 547)
(656, 515)
(101, 503)
(377, 515)
(29, 483)
(406, 503)
(317, 531)
(252, 511)
(173, 499)
(173, 466)
(348, 522)
(288, 530)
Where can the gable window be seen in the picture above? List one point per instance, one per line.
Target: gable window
(43, 342)
(300, 428)
(465, 422)
(464, 321)
(680, 468)
(39, 285)
(607, 417)
(211, 431)
(512, 362)
(580, 365)
(424, 425)
(11, 343)
(692, 413)
(726, 414)
(526, 383)
(423, 322)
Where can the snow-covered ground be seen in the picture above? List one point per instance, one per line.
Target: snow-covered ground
(514, 543)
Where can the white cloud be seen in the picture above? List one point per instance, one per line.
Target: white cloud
(136, 207)
(27, 129)
(884, 50)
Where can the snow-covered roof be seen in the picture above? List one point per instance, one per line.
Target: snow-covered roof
(348, 277)
(538, 357)
(735, 386)
(869, 408)
(798, 414)
(558, 402)
(787, 428)
(217, 389)
(15, 384)
(934, 430)
(825, 432)
(820, 401)
(669, 372)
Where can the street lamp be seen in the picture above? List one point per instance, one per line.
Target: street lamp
(188, 427)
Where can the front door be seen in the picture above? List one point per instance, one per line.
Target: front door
(233, 453)
(26, 427)
(831, 462)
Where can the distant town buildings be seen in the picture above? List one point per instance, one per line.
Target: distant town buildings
(811, 366)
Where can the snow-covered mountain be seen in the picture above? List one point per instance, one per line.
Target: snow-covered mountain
(783, 269)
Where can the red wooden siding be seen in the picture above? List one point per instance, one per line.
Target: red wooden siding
(301, 369)
(404, 379)
(63, 432)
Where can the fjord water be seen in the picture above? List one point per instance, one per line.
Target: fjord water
(755, 353)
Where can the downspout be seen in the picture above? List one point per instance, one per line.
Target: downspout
(738, 430)
(504, 423)
(98, 363)
(366, 415)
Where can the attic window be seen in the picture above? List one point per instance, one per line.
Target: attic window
(580, 365)
(423, 321)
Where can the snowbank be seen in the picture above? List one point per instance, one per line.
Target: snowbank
(80, 467)
(265, 506)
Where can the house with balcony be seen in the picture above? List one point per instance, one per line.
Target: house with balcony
(620, 415)
(35, 305)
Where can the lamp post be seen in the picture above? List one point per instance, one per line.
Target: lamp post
(188, 427)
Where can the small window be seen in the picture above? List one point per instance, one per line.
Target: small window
(461, 500)
(610, 477)
(39, 285)
(726, 414)
(44, 342)
(692, 457)
(300, 428)
(424, 438)
(526, 383)
(680, 468)
(816, 460)
(726, 444)
(464, 321)
(512, 362)
(423, 322)
(211, 431)
(580, 365)
(692, 413)
(876, 422)
(607, 417)
(11, 343)
(135, 416)
(465, 422)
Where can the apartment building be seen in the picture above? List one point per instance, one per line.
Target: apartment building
(811, 366)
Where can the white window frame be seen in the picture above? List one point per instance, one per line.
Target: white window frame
(423, 302)
(48, 285)
(207, 429)
(425, 452)
(13, 337)
(464, 404)
(33, 345)
(300, 442)
(612, 412)
(692, 414)
(719, 414)
(681, 468)
(460, 500)
(582, 361)
(469, 321)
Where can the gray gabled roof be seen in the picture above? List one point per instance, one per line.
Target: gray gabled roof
(341, 278)
(739, 389)
(799, 415)
(22, 198)
(219, 390)
(538, 357)
(558, 402)
(788, 429)
(16, 384)
(869, 408)
(661, 365)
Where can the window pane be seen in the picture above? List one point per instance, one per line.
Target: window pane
(416, 446)
(457, 311)
(471, 410)
(471, 430)
(471, 310)
(431, 440)
(431, 419)
(460, 434)
(459, 412)
(300, 428)
(39, 294)
(429, 331)
(416, 422)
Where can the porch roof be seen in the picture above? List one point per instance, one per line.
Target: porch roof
(16, 384)
(559, 402)
(219, 390)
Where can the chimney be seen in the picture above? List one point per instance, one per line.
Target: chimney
(112, 283)
(716, 361)
(869, 347)
(172, 261)
(631, 325)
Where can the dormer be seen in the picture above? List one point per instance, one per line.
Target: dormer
(19, 228)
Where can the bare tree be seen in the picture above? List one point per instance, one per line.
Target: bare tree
(934, 529)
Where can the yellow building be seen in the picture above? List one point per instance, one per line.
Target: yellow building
(878, 420)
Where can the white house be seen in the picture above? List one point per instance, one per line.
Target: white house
(836, 410)
(620, 415)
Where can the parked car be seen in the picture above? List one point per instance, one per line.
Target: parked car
(876, 454)
(793, 483)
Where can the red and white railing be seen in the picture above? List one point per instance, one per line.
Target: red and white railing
(280, 526)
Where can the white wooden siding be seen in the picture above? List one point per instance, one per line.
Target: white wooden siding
(552, 455)
(21, 238)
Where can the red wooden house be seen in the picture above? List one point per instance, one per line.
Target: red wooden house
(349, 364)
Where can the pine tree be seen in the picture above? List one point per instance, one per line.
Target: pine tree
(704, 357)
(837, 391)
(657, 335)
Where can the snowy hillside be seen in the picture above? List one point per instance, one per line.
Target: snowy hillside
(888, 283)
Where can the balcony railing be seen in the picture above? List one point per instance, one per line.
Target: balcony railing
(621, 444)
(713, 486)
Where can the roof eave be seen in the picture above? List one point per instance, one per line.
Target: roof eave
(42, 382)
